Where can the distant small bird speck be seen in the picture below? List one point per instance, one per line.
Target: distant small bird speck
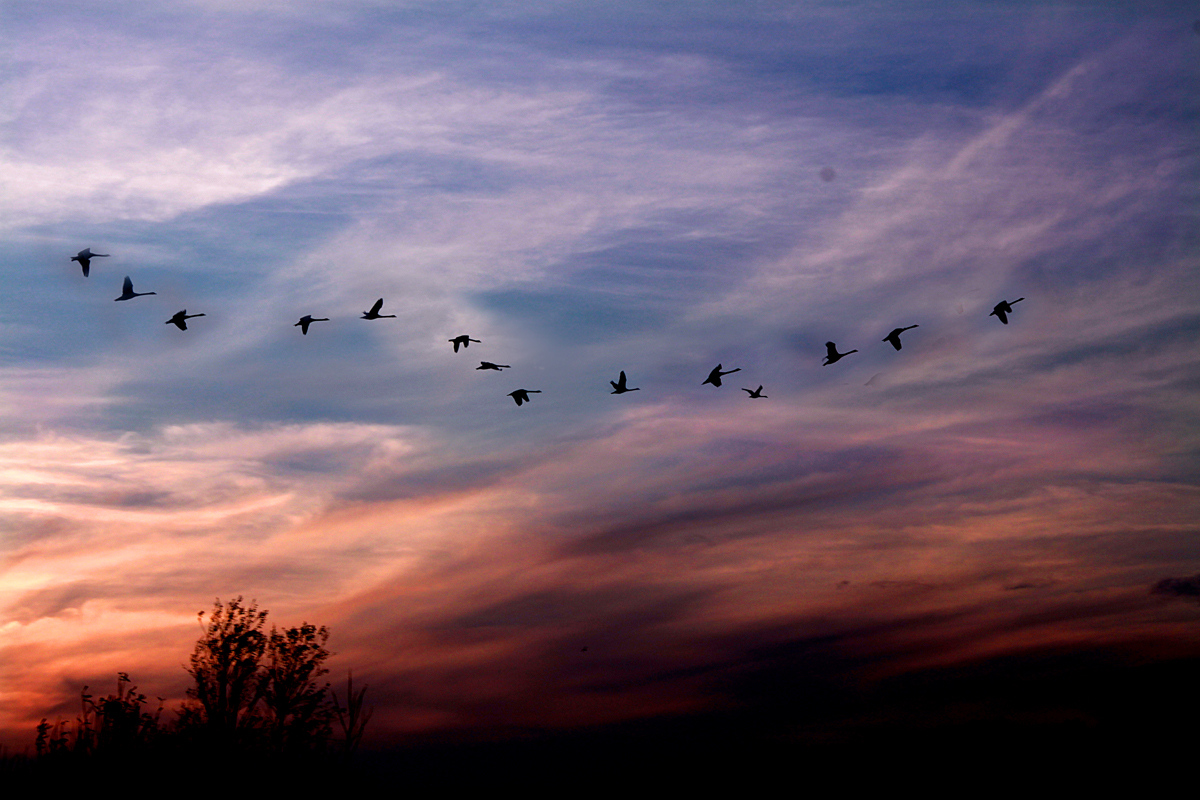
(490, 365)
(464, 340)
(619, 386)
(894, 336)
(374, 312)
(127, 292)
(828, 174)
(832, 355)
(179, 317)
(307, 320)
(522, 395)
(85, 257)
(1003, 309)
(714, 377)
(756, 393)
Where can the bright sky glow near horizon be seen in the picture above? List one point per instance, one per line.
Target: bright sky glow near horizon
(589, 188)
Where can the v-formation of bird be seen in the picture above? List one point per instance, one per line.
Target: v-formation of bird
(85, 256)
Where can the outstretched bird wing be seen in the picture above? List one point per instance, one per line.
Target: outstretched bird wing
(378, 305)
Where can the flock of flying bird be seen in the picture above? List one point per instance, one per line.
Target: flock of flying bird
(620, 386)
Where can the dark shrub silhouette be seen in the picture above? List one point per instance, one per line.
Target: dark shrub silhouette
(253, 692)
(352, 719)
(114, 725)
(297, 709)
(225, 668)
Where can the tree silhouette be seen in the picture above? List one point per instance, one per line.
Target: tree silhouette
(225, 667)
(254, 688)
(255, 693)
(297, 712)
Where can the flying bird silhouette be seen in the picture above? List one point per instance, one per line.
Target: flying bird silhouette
(894, 336)
(714, 377)
(833, 355)
(490, 365)
(85, 259)
(374, 312)
(522, 395)
(1003, 309)
(756, 393)
(464, 340)
(127, 292)
(178, 319)
(619, 386)
(307, 320)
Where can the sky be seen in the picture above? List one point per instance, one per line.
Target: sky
(589, 188)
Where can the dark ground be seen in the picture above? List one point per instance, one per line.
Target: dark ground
(1056, 718)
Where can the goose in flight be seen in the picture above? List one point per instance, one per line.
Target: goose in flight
(127, 292)
(307, 320)
(619, 386)
(464, 340)
(374, 312)
(497, 367)
(1003, 309)
(179, 318)
(85, 259)
(894, 336)
(833, 355)
(522, 395)
(756, 393)
(714, 377)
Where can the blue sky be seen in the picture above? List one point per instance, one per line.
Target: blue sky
(589, 189)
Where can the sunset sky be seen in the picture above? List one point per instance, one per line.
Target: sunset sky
(588, 188)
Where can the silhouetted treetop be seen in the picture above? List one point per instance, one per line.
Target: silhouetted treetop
(297, 708)
(225, 664)
(255, 692)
